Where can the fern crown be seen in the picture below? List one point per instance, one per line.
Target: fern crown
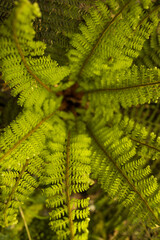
(86, 77)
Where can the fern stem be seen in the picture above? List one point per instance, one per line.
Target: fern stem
(13, 191)
(145, 144)
(142, 143)
(25, 223)
(121, 173)
(147, 16)
(121, 88)
(25, 137)
(101, 37)
(68, 189)
(24, 60)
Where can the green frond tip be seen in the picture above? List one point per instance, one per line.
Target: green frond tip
(122, 173)
(66, 175)
(36, 72)
(34, 7)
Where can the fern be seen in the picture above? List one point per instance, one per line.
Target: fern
(113, 174)
(59, 20)
(149, 54)
(30, 60)
(91, 122)
(68, 171)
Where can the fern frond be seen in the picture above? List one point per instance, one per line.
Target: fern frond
(77, 120)
(147, 143)
(20, 145)
(122, 173)
(60, 19)
(128, 87)
(67, 174)
(16, 185)
(24, 127)
(24, 67)
(147, 115)
(110, 40)
(150, 53)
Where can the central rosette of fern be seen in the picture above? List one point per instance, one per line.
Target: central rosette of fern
(71, 99)
(63, 152)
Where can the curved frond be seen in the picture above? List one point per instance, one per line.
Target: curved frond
(122, 173)
(24, 67)
(20, 147)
